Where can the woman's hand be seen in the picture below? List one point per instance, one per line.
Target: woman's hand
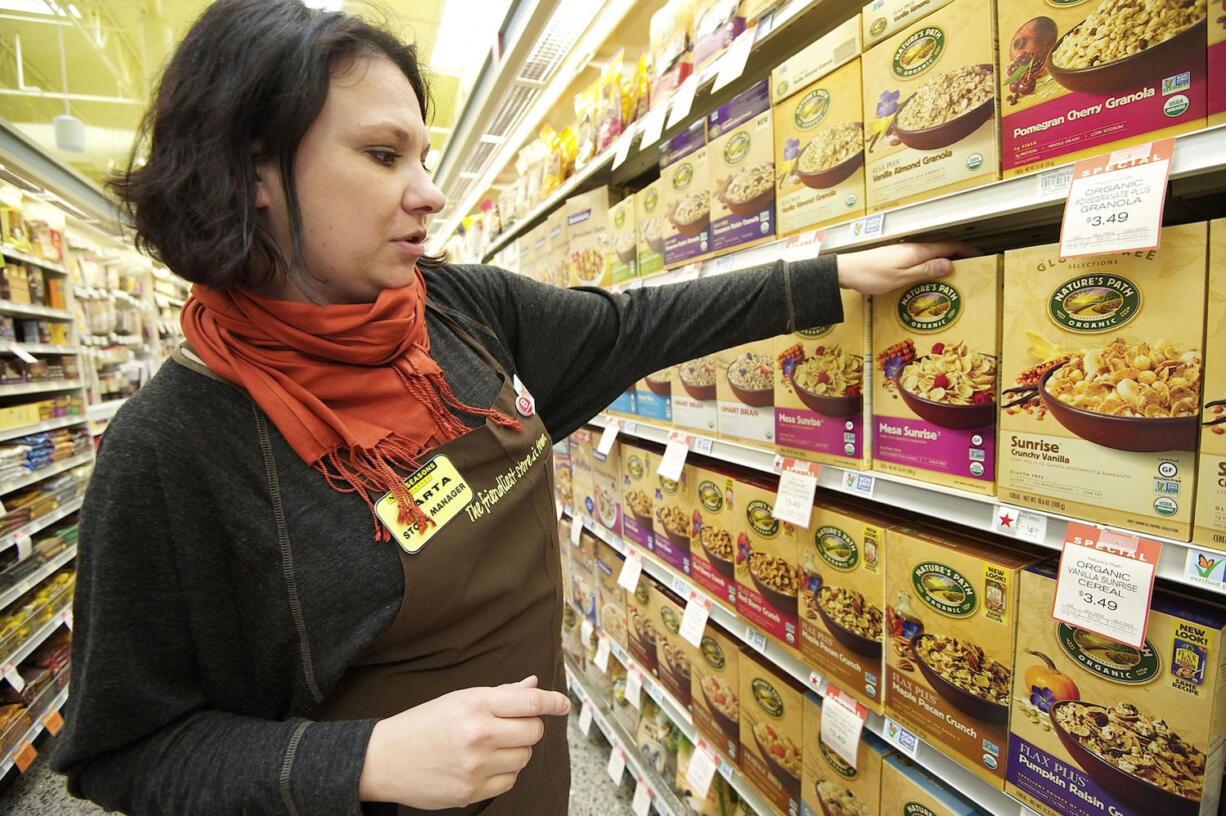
(886, 268)
(460, 748)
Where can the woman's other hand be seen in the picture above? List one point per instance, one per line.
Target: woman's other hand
(886, 268)
(463, 747)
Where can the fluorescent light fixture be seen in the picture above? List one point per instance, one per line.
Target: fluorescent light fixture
(324, 5)
(465, 34)
(36, 7)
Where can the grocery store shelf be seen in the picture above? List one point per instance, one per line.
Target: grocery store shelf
(39, 637)
(41, 523)
(56, 704)
(40, 348)
(41, 427)
(47, 472)
(104, 410)
(942, 503)
(25, 257)
(39, 387)
(30, 310)
(29, 582)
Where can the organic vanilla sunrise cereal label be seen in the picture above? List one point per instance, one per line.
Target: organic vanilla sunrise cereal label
(1211, 488)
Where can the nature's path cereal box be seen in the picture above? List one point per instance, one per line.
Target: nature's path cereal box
(623, 262)
(881, 18)
(831, 785)
(612, 612)
(640, 482)
(772, 733)
(686, 195)
(587, 230)
(649, 226)
(674, 653)
(909, 790)
(643, 632)
(715, 692)
(714, 530)
(607, 492)
(767, 565)
(583, 480)
(693, 395)
(741, 162)
(745, 390)
(1211, 479)
(670, 523)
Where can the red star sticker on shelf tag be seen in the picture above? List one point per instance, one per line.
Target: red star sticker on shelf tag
(1006, 520)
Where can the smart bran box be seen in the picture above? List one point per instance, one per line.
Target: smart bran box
(670, 523)
(936, 346)
(650, 224)
(842, 599)
(881, 18)
(767, 563)
(1101, 382)
(1210, 519)
(587, 230)
(686, 195)
(818, 110)
(715, 692)
(607, 489)
(830, 784)
(714, 530)
(1079, 79)
(693, 395)
(745, 391)
(640, 483)
(583, 480)
(1216, 109)
(741, 156)
(909, 790)
(930, 106)
(950, 619)
(1104, 729)
(623, 263)
(673, 652)
(612, 612)
(772, 733)
(819, 389)
(641, 632)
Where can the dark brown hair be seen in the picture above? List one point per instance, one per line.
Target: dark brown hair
(242, 88)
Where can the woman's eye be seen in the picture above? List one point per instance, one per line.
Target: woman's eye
(385, 157)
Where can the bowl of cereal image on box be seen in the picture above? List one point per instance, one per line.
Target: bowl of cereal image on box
(775, 579)
(964, 676)
(719, 549)
(782, 756)
(692, 215)
(641, 508)
(698, 378)
(752, 379)
(1104, 398)
(723, 703)
(947, 108)
(625, 247)
(1165, 774)
(954, 388)
(851, 620)
(644, 631)
(836, 799)
(829, 383)
(660, 382)
(831, 157)
(1111, 51)
(677, 664)
(751, 190)
(674, 525)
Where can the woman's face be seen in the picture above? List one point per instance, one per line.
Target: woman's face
(362, 188)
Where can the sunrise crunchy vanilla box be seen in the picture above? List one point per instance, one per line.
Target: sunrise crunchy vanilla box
(772, 732)
(623, 263)
(741, 164)
(935, 347)
(650, 223)
(1104, 729)
(881, 18)
(1081, 78)
(767, 564)
(950, 619)
(831, 785)
(1101, 382)
(745, 393)
(685, 194)
(693, 395)
(670, 521)
(930, 107)
(715, 692)
(714, 524)
(1210, 520)
(909, 790)
(588, 246)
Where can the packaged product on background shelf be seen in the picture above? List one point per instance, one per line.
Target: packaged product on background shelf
(14, 284)
(672, 56)
(587, 230)
(612, 617)
(741, 157)
(1210, 519)
(819, 132)
(936, 346)
(536, 261)
(1078, 79)
(650, 224)
(609, 109)
(716, 24)
(714, 527)
(1101, 382)
(715, 692)
(819, 389)
(686, 195)
(582, 477)
(950, 620)
(657, 740)
(721, 800)
(909, 790)
(831, 785)
(1216, 91)
(557, 242)
(626, 715)
(623, 265)
(626, 403)
(607, 489)
(640, 484)
(842, 599)
(745, 391)
(641, 631)
(767, 564)
(881, 18)
(653, 397)
(571, 616)
(670, 523)
(583, 581)
(930, 106)
(1104, 729)
(674, 653)
(693, 395)
(562, 475)
(772, 732)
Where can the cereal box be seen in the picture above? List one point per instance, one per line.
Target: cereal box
(930, 106)
(772, 732)
(1103, 729)
(583, 576)
(714, 529)
(1078, 79)
(832, 785)
(561, 475)
(557, 247)
(656, 738)
(819, 132)
(653, 397)
(623, 264)
(670, 521)
(745, 391)
(583, 481)
(950, 619)
(626, 715)
(722, 799)
(716, 25)
(587, 230)
(674, 654)
(1211, 487)
(625, 404)
(881, 18)
(715, 692)
(842, 598)
(607, 491)
(612, 612)
(1101, 382)
(693, 395)
(650, 224)
(641, 631)
(1216, 111)
(909, 790)
(819, 389)
(640, 482)
(741, 156)
(685, 194)
(767, 558)
(934, 391)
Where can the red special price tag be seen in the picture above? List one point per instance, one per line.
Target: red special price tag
(1105, 583)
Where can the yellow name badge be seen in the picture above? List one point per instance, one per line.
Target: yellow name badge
(439, 490)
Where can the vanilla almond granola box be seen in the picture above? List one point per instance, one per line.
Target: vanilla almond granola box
(685, 195)
(909, 790)
(715, 523)
(881, 18)
(587, 230)
(936, 346)
(693, 395)
(1104, 729)
(930, 106)
(1101, 382)
(650, 223)
(831, 784)
(950, 619)
(1211, 478)
(741, 162)
(745, 392)
(623, 262)
(767, 564)
(640, 483)
(715, 692)
(772, 732)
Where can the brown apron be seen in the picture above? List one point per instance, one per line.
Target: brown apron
(482, 600)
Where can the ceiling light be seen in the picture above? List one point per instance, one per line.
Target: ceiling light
(324, 5)
(465, 34)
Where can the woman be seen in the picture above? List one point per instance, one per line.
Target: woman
(249, 636)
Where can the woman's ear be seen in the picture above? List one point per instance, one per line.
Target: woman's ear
(263, 182)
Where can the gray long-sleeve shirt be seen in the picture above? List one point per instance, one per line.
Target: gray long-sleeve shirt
(223, 587)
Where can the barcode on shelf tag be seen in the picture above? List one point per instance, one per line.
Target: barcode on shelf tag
(683, 101)
(24, 756)
(25, 546)
(13, 677)
(797, 487)
(634, 687)
(630, 426)
(680, 586)
(702, 444)
(53, 721)
(623, 148)
(22, 354)
(732, 63)
(642, 799)
(605, 446)
(694, 621)
(602, 653)
(654, 691)
(617, 765)
(576, 527)
(755, 639)
(725, 770)
(701, 771)
(1054, 183)
(632, 568)
(901, 738)
(723, 264)
(673, 460)
(842, 722)
(860, 483)
(868, 227)
(620, 653)
(585, 717)
(586, 628)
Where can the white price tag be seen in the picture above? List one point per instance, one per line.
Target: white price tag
(617, 765)
(901, 738)
(694, 621)
(576, 527)
(755, 639)
(653, 126)
(585, 630)
(623, 148)
(701, 770)
(815, 681)
(870, 226)
(632, 568)
(1031, 527)
(1115, 201)
(22, 354)
(14, 677)
(673, 460)
(861, 484)
(842, 721)
(634, 687)
(25, 546)
(602, 653)
(557, 506)
(803, 245)
(629, 426)
(641, 805)
(689, 272)
(585, 717)
(653, 690)
(702, 444)
(683, 101)
(66, 617)
(1025, 811)
(797, 487)
(732, 63)
(1054, 184)
(1105, 583)
(1205, 568)
(605, 446)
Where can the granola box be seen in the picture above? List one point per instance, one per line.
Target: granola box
(936, 346)
(767, 556)
(653, 397)
(623, 262)
(557, 248)
(745, 393)
(670, 519)
(772, 732)
(930, 106)
(612, 599)
(561, 475)
(1216, 108)
(606, 489)
(714, 529)
(741, 157)
(950, 619)
(715, 692)
(818, 109)
(1080, 78)
(693, 395)
(587, 231)
(640, 482)
(583, 585)
(1211, 489)
(830, 784)
(685, 195)
(674, 654)
(819, 389)
(909, 790)
(1103, 729)
(642, 633)
(881, 18)
(583, 480)
(649, 226)
(1101, 382)
(842, 599)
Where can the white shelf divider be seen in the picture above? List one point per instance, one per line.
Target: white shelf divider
(26, 258)
(42, 427)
